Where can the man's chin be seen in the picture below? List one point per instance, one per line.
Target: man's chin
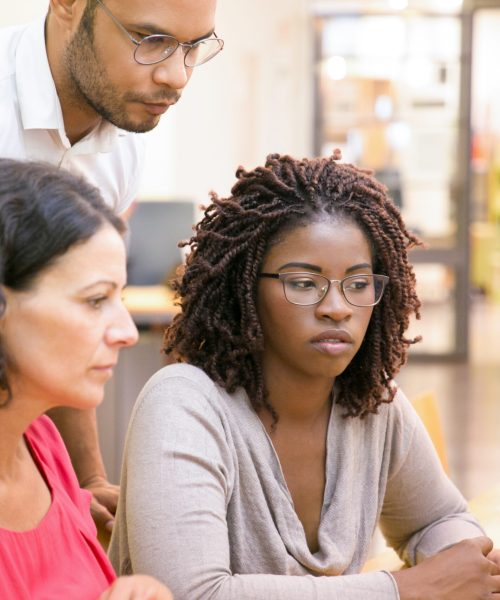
(137, 127)
(128, 121)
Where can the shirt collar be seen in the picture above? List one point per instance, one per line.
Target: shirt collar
(38, 100)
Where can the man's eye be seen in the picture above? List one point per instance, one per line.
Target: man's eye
(139, 35)
(163, 42)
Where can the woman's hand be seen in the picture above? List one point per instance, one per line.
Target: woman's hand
(463, 572)
(136, 587)
(494, 556)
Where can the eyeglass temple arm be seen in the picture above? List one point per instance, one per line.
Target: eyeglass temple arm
(117, 23)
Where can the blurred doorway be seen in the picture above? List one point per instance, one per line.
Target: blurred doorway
(392, 81)
(485, 154)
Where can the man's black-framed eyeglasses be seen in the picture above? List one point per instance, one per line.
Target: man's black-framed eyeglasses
(155, 48)
(306, 289)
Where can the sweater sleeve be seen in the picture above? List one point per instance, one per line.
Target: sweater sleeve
(423, 512)
(179, 476)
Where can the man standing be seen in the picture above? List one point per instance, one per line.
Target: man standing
(74, 91)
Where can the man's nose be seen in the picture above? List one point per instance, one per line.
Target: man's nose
(172, 72)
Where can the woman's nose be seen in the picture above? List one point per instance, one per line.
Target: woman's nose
(123, 331)
(334, 305)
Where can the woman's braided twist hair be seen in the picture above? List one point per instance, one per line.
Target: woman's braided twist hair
(218, 328)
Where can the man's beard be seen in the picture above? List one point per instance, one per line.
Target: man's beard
(91, 85)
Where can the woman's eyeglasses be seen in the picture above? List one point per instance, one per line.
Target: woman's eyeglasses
(306, 289)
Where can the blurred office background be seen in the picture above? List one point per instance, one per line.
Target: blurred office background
(408, 88)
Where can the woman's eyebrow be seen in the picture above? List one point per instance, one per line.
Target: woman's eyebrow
(318, 269)
(302, 266)
(359, 266)
(112, 284)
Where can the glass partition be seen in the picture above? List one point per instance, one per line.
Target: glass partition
(388, 94)
(485, 157)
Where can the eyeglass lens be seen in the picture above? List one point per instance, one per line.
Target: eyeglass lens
(359, 290)
(155, 48)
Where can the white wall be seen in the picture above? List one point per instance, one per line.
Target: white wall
(252, 99)
(22, 11)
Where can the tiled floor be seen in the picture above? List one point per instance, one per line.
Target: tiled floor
(469, 402)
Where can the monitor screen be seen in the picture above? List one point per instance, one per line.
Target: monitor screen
(155, 230)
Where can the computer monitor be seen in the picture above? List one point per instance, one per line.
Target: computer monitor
(155, 230)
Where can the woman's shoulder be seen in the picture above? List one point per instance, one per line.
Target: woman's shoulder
(182, 389)
(401, 410)
(182, 372)
(187, 396)
(53, 459)
(43, 435)
(394, 419)
(397, 422)
(173, 380)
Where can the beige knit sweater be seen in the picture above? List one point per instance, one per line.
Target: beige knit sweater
(205, 508)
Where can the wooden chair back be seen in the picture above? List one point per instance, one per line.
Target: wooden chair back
(426, 406)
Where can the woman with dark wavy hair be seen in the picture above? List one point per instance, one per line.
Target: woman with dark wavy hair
(62, 324)
(281, 440)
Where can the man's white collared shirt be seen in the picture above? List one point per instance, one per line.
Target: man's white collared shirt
(32, 127)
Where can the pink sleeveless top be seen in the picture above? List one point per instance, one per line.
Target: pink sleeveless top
(61, 558)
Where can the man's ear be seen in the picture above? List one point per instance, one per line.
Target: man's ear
(66, 12)
(64, 19)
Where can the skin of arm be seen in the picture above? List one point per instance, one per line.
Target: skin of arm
(78, 429)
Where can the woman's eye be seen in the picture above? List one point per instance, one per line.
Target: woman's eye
(302, 284)
(358, 285)
(96, 301)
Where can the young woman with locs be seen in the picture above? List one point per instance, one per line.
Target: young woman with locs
(281, 440)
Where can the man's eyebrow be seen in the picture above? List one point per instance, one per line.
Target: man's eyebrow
(155, 30)
(201, 38)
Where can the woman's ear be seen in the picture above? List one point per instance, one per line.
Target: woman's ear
(3, 304)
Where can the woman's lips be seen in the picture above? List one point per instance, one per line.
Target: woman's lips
(333, 341)
(106, 370)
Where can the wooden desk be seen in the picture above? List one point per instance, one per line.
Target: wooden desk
(150, 305)
(486, 509)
